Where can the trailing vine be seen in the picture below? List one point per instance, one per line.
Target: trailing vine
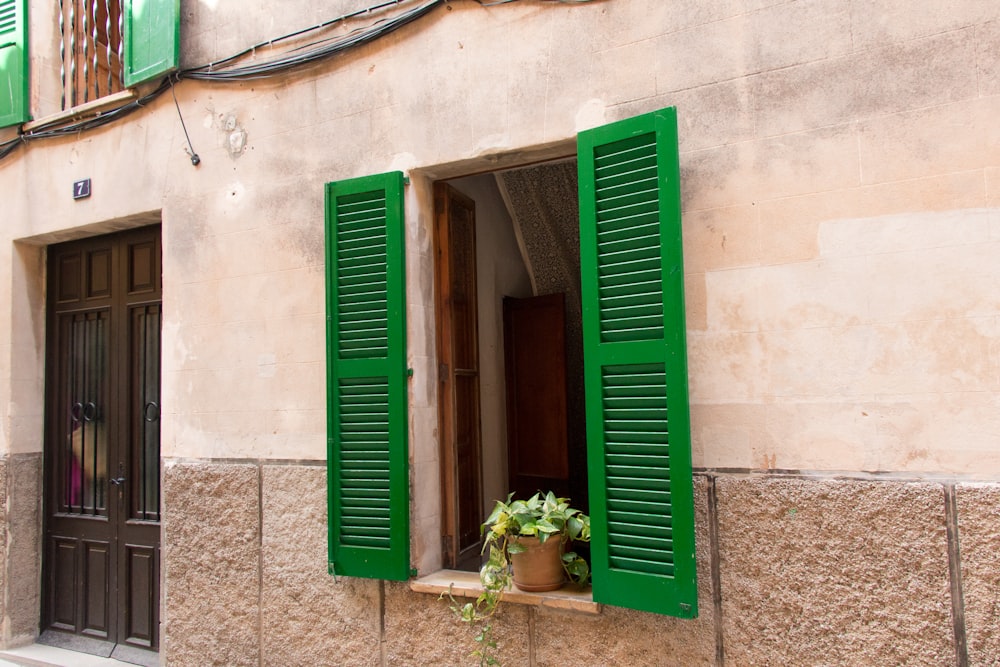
(495, 577)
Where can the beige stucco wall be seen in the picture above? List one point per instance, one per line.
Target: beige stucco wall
(840, 204)
(841, 200)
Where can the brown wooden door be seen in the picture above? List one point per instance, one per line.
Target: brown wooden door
(458, 352)
(102, 486)
(535, 369)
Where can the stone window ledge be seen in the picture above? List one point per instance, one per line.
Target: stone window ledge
(466, 584)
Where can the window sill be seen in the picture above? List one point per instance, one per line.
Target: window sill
(466, 584)
(83, 110)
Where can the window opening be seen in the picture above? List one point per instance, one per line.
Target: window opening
(526, 261)
(91, 50)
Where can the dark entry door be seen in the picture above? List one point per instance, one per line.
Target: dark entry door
(102, 487)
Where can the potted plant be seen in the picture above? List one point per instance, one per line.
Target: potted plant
(534, 532)
(518, 533)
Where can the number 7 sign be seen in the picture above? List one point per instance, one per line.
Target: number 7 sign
(81, 189)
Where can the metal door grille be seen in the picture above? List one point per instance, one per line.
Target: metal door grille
(146, 423)
(85, 452)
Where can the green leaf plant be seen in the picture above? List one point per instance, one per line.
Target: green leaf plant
(545, 517)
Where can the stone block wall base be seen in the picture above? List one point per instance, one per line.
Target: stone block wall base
(834, 572)
(792, 570)
(978, 509)
(20, 547)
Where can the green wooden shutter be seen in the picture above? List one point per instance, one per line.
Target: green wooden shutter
(368, 484)
(152, 39)
(13, 62)
(635, 365)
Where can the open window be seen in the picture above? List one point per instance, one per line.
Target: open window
(509, 340)
(109, 45)
(105, 47)
(92, 50)
(617, 436)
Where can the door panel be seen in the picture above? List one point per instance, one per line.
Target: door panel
(63, 566)
(97, 559)
(101, 570)
(535, 367)
(142, 572)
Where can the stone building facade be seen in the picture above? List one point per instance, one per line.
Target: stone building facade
(840, 196)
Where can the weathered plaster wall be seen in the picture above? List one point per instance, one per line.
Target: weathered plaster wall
(840, 201)
(21, 354)
(848, 360)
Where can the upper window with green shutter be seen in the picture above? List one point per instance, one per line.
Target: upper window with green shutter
(109, 45)
(152, 39)
(13, 62)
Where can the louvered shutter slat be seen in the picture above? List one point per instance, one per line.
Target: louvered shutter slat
(367, 457)
(638, 431)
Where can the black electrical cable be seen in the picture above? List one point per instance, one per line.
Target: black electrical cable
(268, 68)
(195, 160)
(209, 73)
(61, 129)
(325, 24)
(221, 70)
(8, 147)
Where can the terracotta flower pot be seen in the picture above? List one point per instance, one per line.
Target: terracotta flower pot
(539, 568)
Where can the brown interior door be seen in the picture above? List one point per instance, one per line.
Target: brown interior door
(102, 450)
(458, 354)
(535, 368)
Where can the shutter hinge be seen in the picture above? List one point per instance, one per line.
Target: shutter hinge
(331, 569)
(406, 180)
(409, 372)
(413, 572)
